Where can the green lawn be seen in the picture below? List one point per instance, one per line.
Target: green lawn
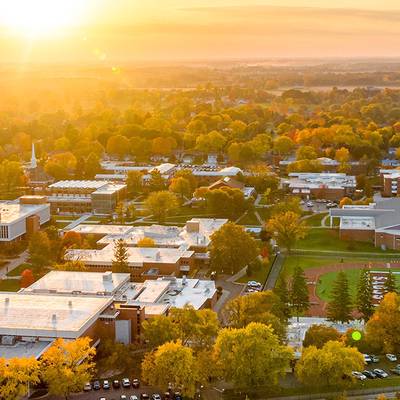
(315, 220)
(258, 276)
(328, 240)
(326, 282)
(18, 271)
(249, 219)
(9, 285)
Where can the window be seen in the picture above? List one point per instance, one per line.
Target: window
(3, 232)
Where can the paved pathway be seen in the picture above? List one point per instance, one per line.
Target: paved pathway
(78, 221)
(274, 272)
(14, 263)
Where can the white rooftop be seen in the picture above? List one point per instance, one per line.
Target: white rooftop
(100, 229)
(48, 316)
(320, 180)
(13, 211)
(137, 256)
(357, 223)
(75, 184)
(69, 282)
(25, 349)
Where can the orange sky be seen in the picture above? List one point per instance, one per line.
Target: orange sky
(125, 30)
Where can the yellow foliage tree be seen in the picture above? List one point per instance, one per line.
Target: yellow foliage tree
(16, 375)
(146, 242)
(67, 366)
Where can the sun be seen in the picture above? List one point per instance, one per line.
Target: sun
(36, 18)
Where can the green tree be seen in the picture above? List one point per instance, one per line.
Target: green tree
(171, 364)
(15, 376)
(283, 145)
(299, 298)
(181, 187)
(40, 249)
(92, 166)
(161, 204)
(159, 330)
(281, 289)
(67, 365)
(390, 283)
(156, 182)
(319, 335)
(327, 367)
(287, 228)
(339, 308)
(364, 299)
(264, 307)
(134, 182)
(251, 356)
(120, 260)
(231, 248)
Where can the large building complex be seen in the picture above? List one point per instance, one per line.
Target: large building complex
(327, 186)
(391, 182)
(70, 305)
(378, 223)
(22, 217)
(176, 251)
(99, 197)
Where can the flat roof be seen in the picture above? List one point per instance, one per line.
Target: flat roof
(48, 315)
(69, 282)
(101, 229)
(12, 211)
(357, 223)
(78, 184)
(320, 180)
(137, 256)
(22, 349)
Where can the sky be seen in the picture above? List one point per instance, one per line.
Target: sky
(173, 30)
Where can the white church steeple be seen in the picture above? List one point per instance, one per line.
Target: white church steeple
(33, 157)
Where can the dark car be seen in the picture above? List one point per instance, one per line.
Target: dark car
(135, 383)
(144, 396)
(116, 384)
(96, 385)
(369, 374)
(178, 396)
(380, 373)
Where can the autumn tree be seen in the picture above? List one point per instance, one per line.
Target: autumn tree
(364, 298)
(251, 356)
(283, 145)
(91, 166)
(287, 228)
(156, 182)
(27, 278)
(345, 201)
(159, 330)
(232, 248)
(390, 283)
(181, 187)
(16, 374)
(72, 239)
(383, 328)
(118, 145)
(171, 364)
(120, 260)
(326, 367)
(319, 335)
(264, 307)
(161, 204)
(67, 365)
(134, 182)
(340, 306)
(298, 295)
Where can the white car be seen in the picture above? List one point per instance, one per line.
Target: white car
(133, 397)
(359, 376)
(126, 383)
(309, 204)
(87, 387)
(380, 373)
(391, 357)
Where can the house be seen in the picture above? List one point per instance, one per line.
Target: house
(233, 183)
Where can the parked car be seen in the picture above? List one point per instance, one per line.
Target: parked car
(144, 396)
(123, 397)
(369, 374)
(254, 284)
(87, 387)
(133, 397)
(106, 385)
(155, 396)
(395, 370)
(331, 205)
(367, 359)
(374, 359)
(102, 398)
(126, 383)
(391, 357)
(135, 383)
(310, 204)
(178, 396)
(380, 373)
(116, 384)
(359, 376)
(96, 385)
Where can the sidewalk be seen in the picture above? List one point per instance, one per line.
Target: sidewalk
(15, 263)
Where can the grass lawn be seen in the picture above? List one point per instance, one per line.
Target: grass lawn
(9, 285)
(328, 240)
(18, 271)
(258, 276)
(249, 219)
(315, 220)
(326, 282)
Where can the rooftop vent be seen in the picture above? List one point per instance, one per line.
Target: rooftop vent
(70, 303)
(7, 301)
(54, 318)
(107, 276)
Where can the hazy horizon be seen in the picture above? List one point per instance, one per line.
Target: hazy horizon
(105, 31)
